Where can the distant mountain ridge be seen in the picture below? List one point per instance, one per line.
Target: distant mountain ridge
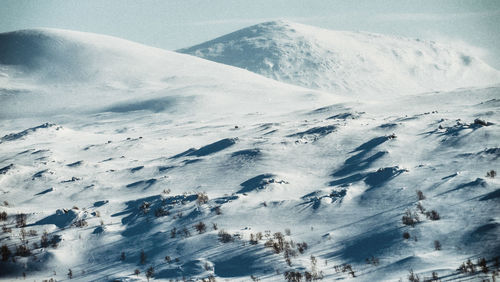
(346, 62)
(52, 70)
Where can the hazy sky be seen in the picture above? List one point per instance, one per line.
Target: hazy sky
(173, 24)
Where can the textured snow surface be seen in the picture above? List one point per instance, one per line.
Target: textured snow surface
(106, 145)
(351, 63)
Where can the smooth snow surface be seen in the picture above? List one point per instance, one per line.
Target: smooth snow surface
(351, 63)
(109, 145)
(48, 71)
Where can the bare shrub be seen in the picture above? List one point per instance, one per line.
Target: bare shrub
(159, 212)
(302, 247)
(144, 207)
(210, 278)
(44, 240)
(280, 242)
(421, 208)
(482, 263)
(432, 215)
(218, 210)
(253, 240)
(80, 223)
(202, 198)
(392, 136)
(410, 218)
(3, 216)
(23, 250)
(293, 276)
(23, 234)
(470, 266)
(4, 250)
(21, 220)
(186, 233)
(200, 227)
(150, 272)
(6, 229)
(225, 237)
(420, 195)
(412, 277)
(348, 268)
(372, 260)
(258, 236)
(308, 276)
(462, 268)
(437, 245)
(491, 174)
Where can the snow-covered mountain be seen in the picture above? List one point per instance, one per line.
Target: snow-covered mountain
(68, 71)
(120, 161)
(353, 63)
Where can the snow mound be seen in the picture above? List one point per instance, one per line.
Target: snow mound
(346, 62)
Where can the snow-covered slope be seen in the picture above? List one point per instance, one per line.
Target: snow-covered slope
(47, 71)
(112, 153)
(353, 63)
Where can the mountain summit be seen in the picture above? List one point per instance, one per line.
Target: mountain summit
(45, 71)
(346, 62)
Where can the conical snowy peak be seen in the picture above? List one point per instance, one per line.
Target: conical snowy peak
(346, 62)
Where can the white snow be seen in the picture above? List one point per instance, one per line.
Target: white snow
(344, 62)
(115, 133)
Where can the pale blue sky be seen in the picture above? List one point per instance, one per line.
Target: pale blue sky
(173, 24)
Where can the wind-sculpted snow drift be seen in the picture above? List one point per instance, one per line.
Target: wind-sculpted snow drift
(122, 162)
(353, 63)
